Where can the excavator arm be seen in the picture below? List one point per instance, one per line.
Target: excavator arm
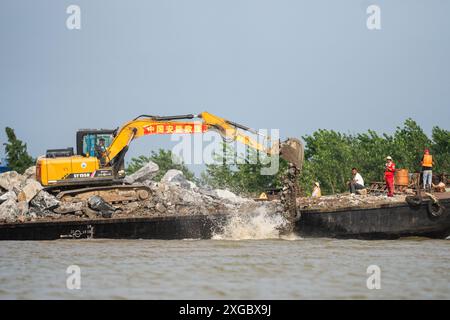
(291, 149)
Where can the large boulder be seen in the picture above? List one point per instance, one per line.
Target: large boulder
(176, 177)
(44, 201)
(30, 173)
(9, 210)
(10, 180)
(8, 195)
(29, 191)
(97, 203)
(147, 172)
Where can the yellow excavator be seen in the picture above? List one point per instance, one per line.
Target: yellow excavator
(97, 167)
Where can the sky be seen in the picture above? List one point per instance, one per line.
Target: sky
(288, 64)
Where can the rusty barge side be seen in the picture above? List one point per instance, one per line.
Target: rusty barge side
(390, 221)
(383, 222)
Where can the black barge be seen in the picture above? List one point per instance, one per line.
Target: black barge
(388, 221)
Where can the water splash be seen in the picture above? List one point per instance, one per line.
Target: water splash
(256, 225)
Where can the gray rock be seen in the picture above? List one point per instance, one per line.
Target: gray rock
(229, 196)
(147, 172)
(208, 192)
(160, 207)
(130, 207)
(29, 191)
(92, 214)
(30, 173)
(150, 205)
(10, 180)
(44, 201)
(8, 195)
(177, 177)
(190, 198)
(9, 210)
(97, 203)
(23, 208)
(69, 207)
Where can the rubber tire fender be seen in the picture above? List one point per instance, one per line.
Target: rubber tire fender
(414, 201)
(435, 209)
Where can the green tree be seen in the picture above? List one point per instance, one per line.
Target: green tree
(242, 173)
(16, 153)
(328, 156)
(409, 142)
(369, 151)
(441, 149)
(164, 159)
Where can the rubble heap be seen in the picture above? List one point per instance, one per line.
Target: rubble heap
(346, 200)
(22, 199)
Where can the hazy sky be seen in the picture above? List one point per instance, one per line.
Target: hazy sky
(290, 64)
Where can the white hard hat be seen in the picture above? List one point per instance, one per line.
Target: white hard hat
(317, 183)
(389, 158)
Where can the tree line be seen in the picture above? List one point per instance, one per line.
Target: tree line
(330, 156)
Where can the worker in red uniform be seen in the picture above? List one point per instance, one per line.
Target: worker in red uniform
(389, 175)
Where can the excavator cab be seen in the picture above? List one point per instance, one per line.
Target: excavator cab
(87, 139)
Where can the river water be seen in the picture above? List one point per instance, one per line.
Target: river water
(247, 261)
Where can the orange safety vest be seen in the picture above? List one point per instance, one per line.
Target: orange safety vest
(427, 160)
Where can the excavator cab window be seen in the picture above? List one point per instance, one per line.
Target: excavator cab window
(87, 139)
(92, 140)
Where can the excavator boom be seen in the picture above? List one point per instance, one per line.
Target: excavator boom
(291, 149)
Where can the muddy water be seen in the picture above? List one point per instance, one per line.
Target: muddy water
(247, 261)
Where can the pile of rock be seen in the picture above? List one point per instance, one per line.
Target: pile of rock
(346, 200)
(174, 194)
(16, 193)
(22, 198)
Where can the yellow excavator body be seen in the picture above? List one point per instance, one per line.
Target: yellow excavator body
(63, 170)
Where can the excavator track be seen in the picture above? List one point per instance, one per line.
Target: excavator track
(114, 194)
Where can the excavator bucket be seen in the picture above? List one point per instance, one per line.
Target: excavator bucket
(292, 151)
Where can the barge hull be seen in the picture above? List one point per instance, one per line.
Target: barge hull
(164, 228)
(386, 222)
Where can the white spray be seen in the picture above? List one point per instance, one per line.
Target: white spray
(256, 225)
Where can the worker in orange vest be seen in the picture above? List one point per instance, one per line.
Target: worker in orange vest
(389, 170)
(427, 169)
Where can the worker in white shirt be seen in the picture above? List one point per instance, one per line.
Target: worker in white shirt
(357, 182)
